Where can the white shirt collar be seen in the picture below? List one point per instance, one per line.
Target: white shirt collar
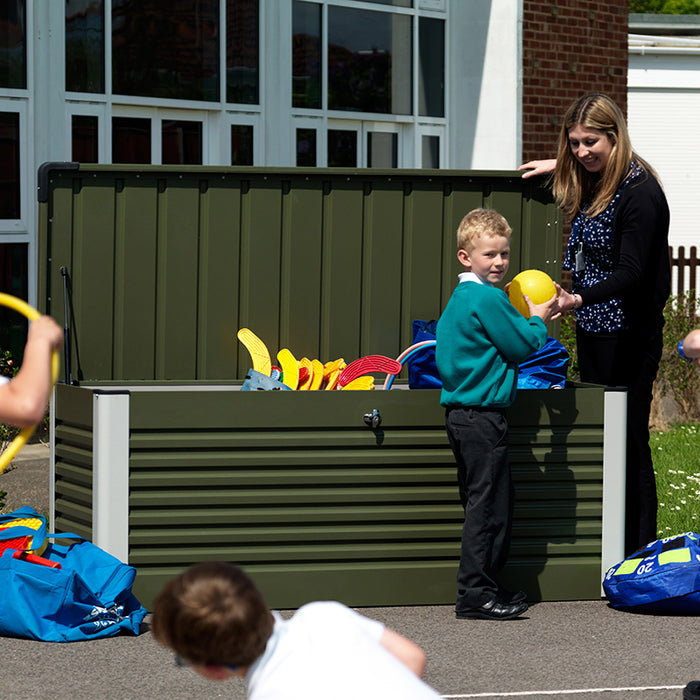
(471, 277)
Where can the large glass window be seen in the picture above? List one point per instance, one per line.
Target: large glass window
(131, 140)
(431, 70)
(13, 44)
(9, 165)
(84, 138)
(85, 46)
(242, 51)
(306, 55)
(166, 48)
(369, 61)
(181, 142)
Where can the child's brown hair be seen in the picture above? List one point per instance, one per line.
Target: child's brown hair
(212, 615)
(481, 223)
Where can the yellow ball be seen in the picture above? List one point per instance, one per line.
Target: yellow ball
(536, 284)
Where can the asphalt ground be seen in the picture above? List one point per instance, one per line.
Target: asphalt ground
(582, 649)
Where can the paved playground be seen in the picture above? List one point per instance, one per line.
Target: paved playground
(582, 649)
(563, 650)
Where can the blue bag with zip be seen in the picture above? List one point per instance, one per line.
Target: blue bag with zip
(63, 593)
(662, 578)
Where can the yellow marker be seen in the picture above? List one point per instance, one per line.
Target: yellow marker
(331, 373)
(366, 381)
(306, 383)
(290, 368)
(317, 378)
(258, 351)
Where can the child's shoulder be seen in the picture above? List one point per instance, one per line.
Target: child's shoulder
(480, 292)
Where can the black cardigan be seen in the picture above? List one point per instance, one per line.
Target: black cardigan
(642, 274)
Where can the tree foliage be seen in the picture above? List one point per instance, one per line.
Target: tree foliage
(665, 7)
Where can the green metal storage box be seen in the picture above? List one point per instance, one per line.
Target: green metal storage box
(159, 458)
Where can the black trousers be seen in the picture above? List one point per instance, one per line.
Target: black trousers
(623, 359)
(479, 441)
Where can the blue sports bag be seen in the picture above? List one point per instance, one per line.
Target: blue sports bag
(544, 369)
(63, 593)
(664, 577)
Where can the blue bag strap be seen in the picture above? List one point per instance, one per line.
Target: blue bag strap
(23, 512)
(22, 530)
(64, 536)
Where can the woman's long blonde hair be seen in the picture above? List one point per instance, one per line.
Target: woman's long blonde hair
(572, 184)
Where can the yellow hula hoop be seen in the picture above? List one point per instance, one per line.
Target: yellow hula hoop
(32, 314)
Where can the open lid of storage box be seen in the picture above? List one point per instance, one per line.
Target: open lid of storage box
(156, 268)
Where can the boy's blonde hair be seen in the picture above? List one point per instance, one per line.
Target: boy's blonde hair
(481, 223)
(212, 615)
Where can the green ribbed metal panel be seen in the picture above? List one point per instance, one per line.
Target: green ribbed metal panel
(315, 505)
(73, 478)
(167, 263)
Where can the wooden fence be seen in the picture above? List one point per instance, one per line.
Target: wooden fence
(686, 269)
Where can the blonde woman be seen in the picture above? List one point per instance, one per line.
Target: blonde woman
(620, 272)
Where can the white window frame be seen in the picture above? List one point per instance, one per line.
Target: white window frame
(229, 119)
(403, 145)
(85, 109)
(319, 125)
(347, 125)
(438, 130)
(21, 225)
(410, 128)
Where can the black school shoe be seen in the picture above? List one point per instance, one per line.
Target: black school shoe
(494, 610)
(692, 691)
(507, 596)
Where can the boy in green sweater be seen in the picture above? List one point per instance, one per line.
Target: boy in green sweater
(481, 340)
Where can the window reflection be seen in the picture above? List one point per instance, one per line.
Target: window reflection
(306, 55)
(9, 166)
(85, 46)
(84, 143)
(242, 51)
(181, 142)
(369, 61)
(431, 151)
(166, 48)
(342, 148)
(241, 144)
(382, 149)
(14, 273)
(431, 71)
(306, 147)
(131, 140)
(13, 42)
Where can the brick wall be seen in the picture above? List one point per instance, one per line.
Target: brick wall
(570, 48)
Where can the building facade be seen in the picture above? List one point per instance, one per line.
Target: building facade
(462, 84)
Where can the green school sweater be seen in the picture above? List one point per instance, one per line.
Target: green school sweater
(481, 340)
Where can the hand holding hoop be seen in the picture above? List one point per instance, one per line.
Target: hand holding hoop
(32, 314)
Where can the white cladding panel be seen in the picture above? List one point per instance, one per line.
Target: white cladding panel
(663, 126)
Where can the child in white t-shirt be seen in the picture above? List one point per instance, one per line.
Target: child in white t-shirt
(214, 618)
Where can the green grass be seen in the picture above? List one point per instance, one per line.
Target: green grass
(676, 455)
